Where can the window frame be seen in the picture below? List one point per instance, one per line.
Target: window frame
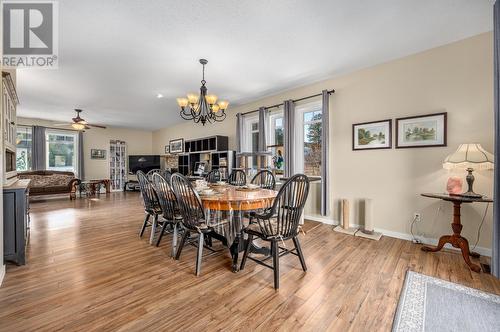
(25, 129)
(76, 143)
(300, 110)
(273, 116)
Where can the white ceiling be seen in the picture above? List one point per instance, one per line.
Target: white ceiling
(117, 55)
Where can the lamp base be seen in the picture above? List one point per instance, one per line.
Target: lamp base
(470, 181)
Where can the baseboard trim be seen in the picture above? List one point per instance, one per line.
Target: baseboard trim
(431, 241)
(320, 219)
(403, 236)
(2, 274)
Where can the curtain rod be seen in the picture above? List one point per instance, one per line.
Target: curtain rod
(294, 100)
(46, 127)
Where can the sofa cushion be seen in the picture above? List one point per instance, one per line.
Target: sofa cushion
(43, 179)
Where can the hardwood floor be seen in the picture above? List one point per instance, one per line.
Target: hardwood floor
(88, 270)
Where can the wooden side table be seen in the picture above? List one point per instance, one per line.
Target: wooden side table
(93, 187)
(457, 240)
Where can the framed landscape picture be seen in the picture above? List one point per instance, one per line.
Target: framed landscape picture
(372, 135)
(97, 154)
(421, 131)
(177, 145)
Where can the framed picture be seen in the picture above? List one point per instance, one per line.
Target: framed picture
(372, 135)
(177, 145)
(421, 131)
(97, 154)
(167, 149)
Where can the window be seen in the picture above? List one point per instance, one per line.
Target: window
(61, 150)
(308, 139)
(255, 136)
(251, 138)
(276, 125)
(24, 141)
(276, 141)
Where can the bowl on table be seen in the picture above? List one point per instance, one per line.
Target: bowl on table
(207, 192)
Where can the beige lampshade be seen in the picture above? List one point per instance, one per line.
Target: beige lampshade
(223, 105)
(182, 102)
(211, 99)
(471, 155)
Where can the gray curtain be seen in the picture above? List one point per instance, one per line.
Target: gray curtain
(38, 148)
(289, 128)
(262, 129)
(495, 259)
(239, 132)
(81, 174)
(325, 134)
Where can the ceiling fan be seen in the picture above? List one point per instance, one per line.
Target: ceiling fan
(79, 123)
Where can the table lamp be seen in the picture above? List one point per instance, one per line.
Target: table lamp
(469, 157)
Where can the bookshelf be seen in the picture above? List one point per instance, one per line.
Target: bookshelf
(212, 150)
(117, 164)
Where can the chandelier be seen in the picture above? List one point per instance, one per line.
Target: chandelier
(203, 108)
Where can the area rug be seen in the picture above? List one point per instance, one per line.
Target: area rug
(431, 304)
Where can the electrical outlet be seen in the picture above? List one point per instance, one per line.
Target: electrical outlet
(417, 217)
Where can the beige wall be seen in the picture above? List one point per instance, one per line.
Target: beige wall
(138, 142)
(456, 78)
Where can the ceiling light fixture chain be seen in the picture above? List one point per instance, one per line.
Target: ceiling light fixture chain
(203, 108)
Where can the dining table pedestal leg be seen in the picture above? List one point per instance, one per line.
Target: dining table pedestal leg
(235, 251)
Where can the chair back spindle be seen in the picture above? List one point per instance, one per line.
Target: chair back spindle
(237, 178)
(167, 175)
(189, 202)
(149, 175)
(264, 179)
(213, 176)
(166, 196)
(148, 193)
(284, 217)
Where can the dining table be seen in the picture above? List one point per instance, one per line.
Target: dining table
(226, 211)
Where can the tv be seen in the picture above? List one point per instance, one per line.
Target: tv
(143, 163)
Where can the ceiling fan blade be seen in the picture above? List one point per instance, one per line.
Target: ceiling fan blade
(61, 124)
(97, 126)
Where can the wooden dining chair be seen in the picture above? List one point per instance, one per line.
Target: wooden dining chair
(149, 175)
(264, 179)
(237, 178)
(167, 175)
(170, 213)
(151, 205)
(193, 216)
(213, 176)
(280, 223)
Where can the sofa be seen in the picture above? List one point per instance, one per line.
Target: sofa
(51, 183)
